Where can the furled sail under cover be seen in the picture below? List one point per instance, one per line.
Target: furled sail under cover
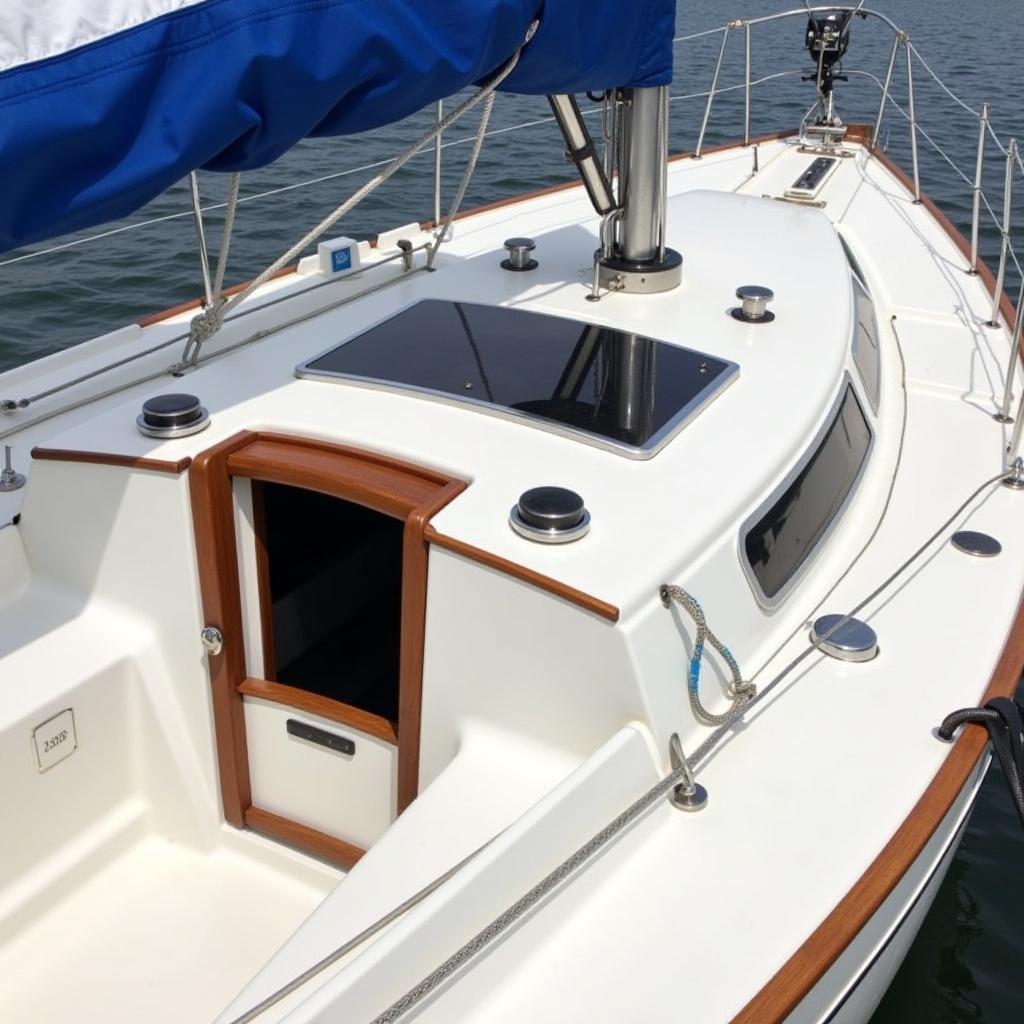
(106, 103)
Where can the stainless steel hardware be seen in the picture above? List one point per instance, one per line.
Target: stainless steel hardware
(688, 795)
(169, 416)
(9, 479)
(312, 734)
(971, 542)
(551, 515)
(519, 250)
(212, 640)
(754, 308)
(844, 638)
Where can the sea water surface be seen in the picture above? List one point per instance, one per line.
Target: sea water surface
(966, 964)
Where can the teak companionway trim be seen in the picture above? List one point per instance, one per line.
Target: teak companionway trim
(387, 485)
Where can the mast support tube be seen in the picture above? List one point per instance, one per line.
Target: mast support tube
(640, 228)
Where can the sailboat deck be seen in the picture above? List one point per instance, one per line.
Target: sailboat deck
(795, 817)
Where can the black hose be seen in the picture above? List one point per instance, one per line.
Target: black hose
(1004, 719)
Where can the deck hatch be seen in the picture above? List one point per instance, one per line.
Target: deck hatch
(624, 392)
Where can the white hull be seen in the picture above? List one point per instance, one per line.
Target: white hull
(850, 991)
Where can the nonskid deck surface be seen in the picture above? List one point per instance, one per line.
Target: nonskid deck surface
(163, 934)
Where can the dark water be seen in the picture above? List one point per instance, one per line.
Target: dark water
(966, 964)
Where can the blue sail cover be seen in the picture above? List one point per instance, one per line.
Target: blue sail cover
(106, 103)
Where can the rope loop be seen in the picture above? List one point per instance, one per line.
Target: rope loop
(206, 324)
(739, 691)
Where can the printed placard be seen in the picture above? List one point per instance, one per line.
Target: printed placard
(55, 739)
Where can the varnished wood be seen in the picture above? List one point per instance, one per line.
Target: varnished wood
(110, 459)
(213, 523)
(807, 965)
(414, 621)
(309, 840)
(390, 486)
(186, 307)
(324, 707)
(384, 485)
(520, 572)
(263, 592)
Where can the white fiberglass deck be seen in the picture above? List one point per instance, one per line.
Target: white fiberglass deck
(695, 912)
(162, 933)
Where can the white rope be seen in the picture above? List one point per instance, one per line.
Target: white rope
(75, 242)
(207, 323)
(733, 88)
(941, 84)
(460, 194)
(698, 35)
(225, 238)
(921, 131)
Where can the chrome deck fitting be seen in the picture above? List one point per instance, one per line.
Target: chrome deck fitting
(980, 545)
(844, 638)
(688, 795)
(9, 479)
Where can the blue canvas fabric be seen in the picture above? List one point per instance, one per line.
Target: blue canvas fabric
(92, 134)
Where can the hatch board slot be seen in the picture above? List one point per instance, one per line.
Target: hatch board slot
(813, 179)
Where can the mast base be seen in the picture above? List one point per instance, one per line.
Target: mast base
(640, 277)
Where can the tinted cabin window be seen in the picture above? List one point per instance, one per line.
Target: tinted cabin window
(783, 538)
(335, 594)
(865, 341)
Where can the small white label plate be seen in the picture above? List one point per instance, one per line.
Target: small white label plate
(55, 739)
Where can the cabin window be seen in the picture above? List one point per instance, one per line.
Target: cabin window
(865, 342)
(782, 538)
(851, 259)
(333, 591)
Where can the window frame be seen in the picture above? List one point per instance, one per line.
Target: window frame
(846, 387)
(874, 395)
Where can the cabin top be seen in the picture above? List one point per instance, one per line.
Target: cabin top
(688, 489)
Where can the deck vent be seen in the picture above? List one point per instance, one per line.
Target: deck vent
(971, 542)
(519, 257)
(551, 515)
(176, 415)
(754, 308)
(849, 640)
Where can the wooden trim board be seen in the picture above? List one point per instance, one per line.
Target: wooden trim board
(309, 840)
(323, 707)
(826, 943)
(395, 488)
(111, 459)
(185, 307)
(217, 561)
(552, 586)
